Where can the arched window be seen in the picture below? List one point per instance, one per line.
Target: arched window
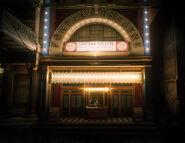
(96, 32)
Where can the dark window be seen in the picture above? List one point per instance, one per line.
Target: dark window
(96, 32)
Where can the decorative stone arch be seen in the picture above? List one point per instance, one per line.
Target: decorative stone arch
(104, 16)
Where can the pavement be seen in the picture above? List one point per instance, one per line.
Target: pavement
(30, 130)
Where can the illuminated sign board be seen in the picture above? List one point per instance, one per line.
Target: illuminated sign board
(96, 77)
(97, 46)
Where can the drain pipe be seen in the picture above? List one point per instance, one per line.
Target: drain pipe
(37, 4)
(35, 76)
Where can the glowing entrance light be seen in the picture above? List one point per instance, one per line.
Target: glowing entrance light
(146, 35)
(96, 77)
(97, 89)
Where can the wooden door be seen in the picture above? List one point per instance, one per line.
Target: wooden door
(122, 101)
(20, 99)
(71, 103)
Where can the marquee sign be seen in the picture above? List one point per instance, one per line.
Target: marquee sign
(97, 46)
(96, 77)
(105, 16)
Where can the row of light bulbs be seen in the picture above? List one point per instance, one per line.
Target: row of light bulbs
(97, 77)
(146, 27)
(45, 34)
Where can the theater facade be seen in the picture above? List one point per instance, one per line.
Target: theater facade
(96, 64)
(91, 62)
(92, 71)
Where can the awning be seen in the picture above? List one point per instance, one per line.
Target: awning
(17, 31)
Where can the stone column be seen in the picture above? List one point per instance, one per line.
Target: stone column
(148, 115)
(35, 75)
(7, 94)
(43, 99)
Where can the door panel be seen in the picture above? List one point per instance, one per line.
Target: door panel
(71, 101)
(65, 104)
(115, 105)
(20, 100)
(122, 101)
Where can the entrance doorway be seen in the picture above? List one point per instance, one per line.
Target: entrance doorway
(123, 100)
(96, 97)
(97, 92)
(94, 100)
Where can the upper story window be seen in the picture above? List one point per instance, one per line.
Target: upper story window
(96, 40)
(96, 32)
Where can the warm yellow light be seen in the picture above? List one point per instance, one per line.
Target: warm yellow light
(97, 89)
(96, 20)
(1, 70)
(97, 77)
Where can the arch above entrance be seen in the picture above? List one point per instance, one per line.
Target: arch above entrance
(103, 16)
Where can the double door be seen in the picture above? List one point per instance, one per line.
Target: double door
(122, 102)
(73, 100)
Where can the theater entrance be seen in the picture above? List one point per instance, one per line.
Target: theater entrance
(97, 100)
(96, 94)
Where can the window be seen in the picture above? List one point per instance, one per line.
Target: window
(96, 32)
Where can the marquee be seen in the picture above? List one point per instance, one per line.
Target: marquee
(97, 46)
(96, 77)
(88, 16)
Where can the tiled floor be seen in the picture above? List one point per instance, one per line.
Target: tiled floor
(81, 120)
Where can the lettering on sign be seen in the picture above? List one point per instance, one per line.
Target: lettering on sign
(118, 19)
(90, 11)
(135, 36)
(57, 36)
(73, 19)
(67, 22)
(82, 13)
(124, 23)
(138, 44)
(61, 28)
(97, 46)
(104, 13)
(111, 14)
(53, 44)
(130, 29)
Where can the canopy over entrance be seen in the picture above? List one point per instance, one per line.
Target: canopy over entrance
(96, 77)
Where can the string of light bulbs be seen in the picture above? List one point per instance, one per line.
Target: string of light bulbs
(96, 77)
(46, 30)
(146, 32)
